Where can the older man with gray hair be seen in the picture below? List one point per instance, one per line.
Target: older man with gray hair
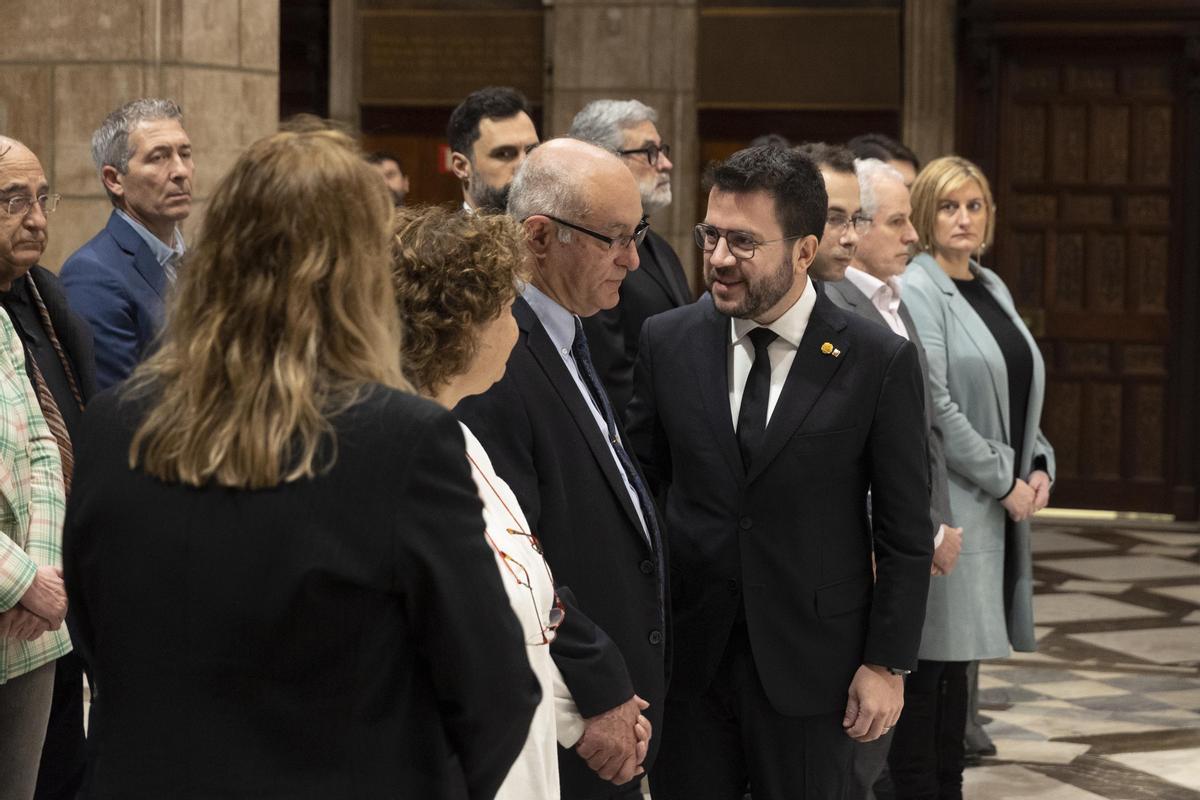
(553, 436)
(117, 281)
(629, 129)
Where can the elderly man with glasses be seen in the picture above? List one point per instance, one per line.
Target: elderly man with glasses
(629, 129)
(46, 374)
(555, 438)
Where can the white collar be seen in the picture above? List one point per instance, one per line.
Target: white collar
(791, 324)
(868, 284)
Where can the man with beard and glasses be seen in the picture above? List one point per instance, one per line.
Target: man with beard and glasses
(490, 134)
(628, 128)
(762, 414)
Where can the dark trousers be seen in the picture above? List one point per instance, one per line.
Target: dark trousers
(64, 754)
(926, 759)
(731, 740)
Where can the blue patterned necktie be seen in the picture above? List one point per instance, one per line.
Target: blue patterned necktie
(583, 359)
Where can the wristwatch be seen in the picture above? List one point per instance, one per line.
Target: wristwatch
(901, 672)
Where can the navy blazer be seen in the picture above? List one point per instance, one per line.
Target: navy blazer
(117, 285)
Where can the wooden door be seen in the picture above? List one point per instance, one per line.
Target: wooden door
(1086, 140)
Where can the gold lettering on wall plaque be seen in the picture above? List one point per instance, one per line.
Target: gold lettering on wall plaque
(412, 57)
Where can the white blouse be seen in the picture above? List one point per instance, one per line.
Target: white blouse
(527, 578)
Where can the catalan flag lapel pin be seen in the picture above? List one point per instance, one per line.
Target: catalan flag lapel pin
(829, 350)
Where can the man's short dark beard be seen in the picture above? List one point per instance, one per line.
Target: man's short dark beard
(764, 294)
(488, 198)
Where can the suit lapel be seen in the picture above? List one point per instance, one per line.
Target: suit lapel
(143, 257)
(810, 373)
(855, 298)
(658, 260)
(710, 363)
(985, 343)
(551, 363)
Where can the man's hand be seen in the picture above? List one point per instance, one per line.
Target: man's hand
(876, 699)
(47, 596)
(946, 554)
(1019, 503)
(17, 623)
(611, 743)
(1039, 481)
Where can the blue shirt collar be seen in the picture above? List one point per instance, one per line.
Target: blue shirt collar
(557, 321)
(162, 253)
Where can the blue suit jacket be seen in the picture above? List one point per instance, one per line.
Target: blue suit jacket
(116, 284)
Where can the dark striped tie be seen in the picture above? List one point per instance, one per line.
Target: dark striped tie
(54, 419)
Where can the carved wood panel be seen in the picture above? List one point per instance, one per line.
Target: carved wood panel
(1083, 169)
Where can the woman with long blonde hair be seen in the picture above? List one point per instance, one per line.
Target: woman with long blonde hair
(269, 543)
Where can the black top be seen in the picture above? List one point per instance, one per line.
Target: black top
(341, 636)
(27, 320)
(1018, 360)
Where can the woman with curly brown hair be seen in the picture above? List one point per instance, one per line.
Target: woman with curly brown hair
(456, 278)
(273, 549)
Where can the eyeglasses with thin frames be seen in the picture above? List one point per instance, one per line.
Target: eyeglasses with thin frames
(651, 151)
(740, 243)
(20, 205)
(840, 223)
(636, 238)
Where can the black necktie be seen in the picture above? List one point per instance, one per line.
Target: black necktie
(752, 416)
(583, 359)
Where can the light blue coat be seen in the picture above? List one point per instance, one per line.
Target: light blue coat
(968, 616)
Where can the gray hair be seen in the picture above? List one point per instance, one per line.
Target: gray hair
(110, 142)
(542, 186)
(870, 172)
(601, 122)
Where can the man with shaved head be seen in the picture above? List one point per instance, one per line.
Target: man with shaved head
(51, 358)
(553, 436)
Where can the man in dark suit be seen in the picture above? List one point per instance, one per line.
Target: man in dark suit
(117, 281)
(553, 436)
(871, 289)
(763, 414)
(59, 366)
(629, 129)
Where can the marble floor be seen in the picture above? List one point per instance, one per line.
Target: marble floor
(1109, 706)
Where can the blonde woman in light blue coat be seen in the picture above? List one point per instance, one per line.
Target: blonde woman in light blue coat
(987, 382)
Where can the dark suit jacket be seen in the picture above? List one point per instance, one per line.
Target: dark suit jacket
(845, 294)
(73, 332)
(657, 285)
(790, 541)
(116, 284)
(342, 636)
(544, 442)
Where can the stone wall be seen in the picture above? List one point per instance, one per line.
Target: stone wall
(66, 64)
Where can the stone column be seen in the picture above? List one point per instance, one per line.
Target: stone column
(641, 49)
(927, 121)
(66, 64)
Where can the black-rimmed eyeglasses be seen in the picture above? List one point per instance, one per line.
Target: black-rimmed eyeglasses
(740, 243)
(636, 238)
(651, 151)
(19, 206)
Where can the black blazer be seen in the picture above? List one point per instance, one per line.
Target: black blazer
(657, 285)
(544, 442)
(845, 294)
(343, 636)
(73, 332)
(790, 540)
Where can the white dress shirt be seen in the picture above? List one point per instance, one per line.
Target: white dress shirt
(885, 296)
(790, 329)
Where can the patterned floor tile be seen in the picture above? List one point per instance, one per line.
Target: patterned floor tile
(1176, 766)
